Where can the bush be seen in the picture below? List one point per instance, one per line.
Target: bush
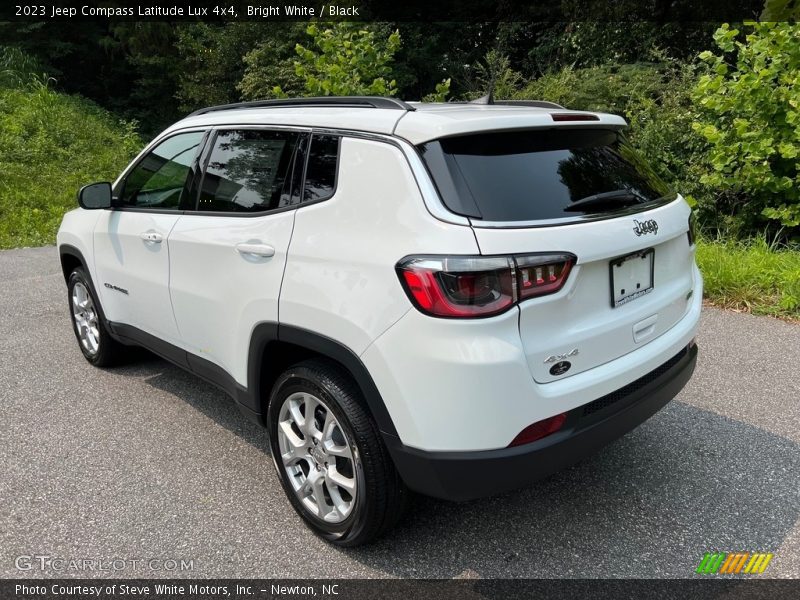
(50, 145)
(749, 99)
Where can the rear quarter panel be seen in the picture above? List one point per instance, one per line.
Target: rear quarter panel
(340, 279)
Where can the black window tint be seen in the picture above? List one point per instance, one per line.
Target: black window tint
(321, 169)
(534, 175)
(247, 171)
(298, 166)
(158, 180)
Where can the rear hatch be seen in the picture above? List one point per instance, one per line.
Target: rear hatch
(583, 191)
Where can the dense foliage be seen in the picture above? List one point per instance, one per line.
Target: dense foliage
(346, 59)
(749, 112)
(721, 127)
(50, 145)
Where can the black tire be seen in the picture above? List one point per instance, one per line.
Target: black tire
(381, 496)
(109, 352)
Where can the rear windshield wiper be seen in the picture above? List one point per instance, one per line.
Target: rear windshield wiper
(614, 196)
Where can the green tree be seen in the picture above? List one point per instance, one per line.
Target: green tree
(494, 73)
(749, 102)
(346, 59)
(270, 64)
(211, 61)
(781, 10)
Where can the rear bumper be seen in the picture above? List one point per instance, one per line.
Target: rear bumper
(468, 475)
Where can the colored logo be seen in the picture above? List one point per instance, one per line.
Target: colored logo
(745, 563)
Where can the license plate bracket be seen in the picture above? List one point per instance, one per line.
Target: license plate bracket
(631, 276)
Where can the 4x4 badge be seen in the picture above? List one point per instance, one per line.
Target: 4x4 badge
(645, 227)
(559, 357)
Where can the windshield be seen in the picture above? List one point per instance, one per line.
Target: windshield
(539, 174)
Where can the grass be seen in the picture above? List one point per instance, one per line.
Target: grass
(752, 276)
(50, 145)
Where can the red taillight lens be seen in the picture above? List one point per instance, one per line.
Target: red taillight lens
(539, 430)
(480, 286)
(459, 287)
(538, 275)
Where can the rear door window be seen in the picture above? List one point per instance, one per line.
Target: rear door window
(540, 174)
(249, 171)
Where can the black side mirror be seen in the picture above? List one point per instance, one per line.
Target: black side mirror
(95, 195)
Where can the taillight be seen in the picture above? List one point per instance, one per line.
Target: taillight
(459, 286)
(539, 430)
(538, 275)
(480, 286)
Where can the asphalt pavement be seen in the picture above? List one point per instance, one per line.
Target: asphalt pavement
(146, 462)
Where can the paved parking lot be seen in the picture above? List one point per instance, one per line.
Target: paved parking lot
(148, 462)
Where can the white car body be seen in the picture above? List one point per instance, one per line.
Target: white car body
(451, 388)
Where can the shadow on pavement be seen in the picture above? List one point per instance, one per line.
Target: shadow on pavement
(649, 505)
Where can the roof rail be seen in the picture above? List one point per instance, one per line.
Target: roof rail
(489, 101)
(536, 103)
(341, 101)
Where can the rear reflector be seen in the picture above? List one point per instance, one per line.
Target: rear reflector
(573, 117)
(480, 286)
(539, 430)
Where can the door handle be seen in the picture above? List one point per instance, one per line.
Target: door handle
(250, 249)
(152, 236)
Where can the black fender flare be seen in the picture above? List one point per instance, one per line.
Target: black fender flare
(69, 250)
(266, 333)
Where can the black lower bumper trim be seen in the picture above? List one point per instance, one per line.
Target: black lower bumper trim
(468, 475)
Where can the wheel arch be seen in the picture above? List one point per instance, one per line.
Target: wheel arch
(275, 347)
(71, 258)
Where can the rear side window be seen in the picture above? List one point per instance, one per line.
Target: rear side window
(323, 156)
(159, 179)
(539, 174)
(249, 171)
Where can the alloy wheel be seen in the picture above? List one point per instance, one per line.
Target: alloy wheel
(87, 323)
(317, 457)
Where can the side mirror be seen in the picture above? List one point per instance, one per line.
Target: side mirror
(95, 195)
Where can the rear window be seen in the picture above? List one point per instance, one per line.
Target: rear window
(539, 174)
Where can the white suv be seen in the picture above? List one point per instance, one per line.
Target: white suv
(456, 299)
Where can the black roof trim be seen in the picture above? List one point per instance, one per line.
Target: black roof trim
(340, 101)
